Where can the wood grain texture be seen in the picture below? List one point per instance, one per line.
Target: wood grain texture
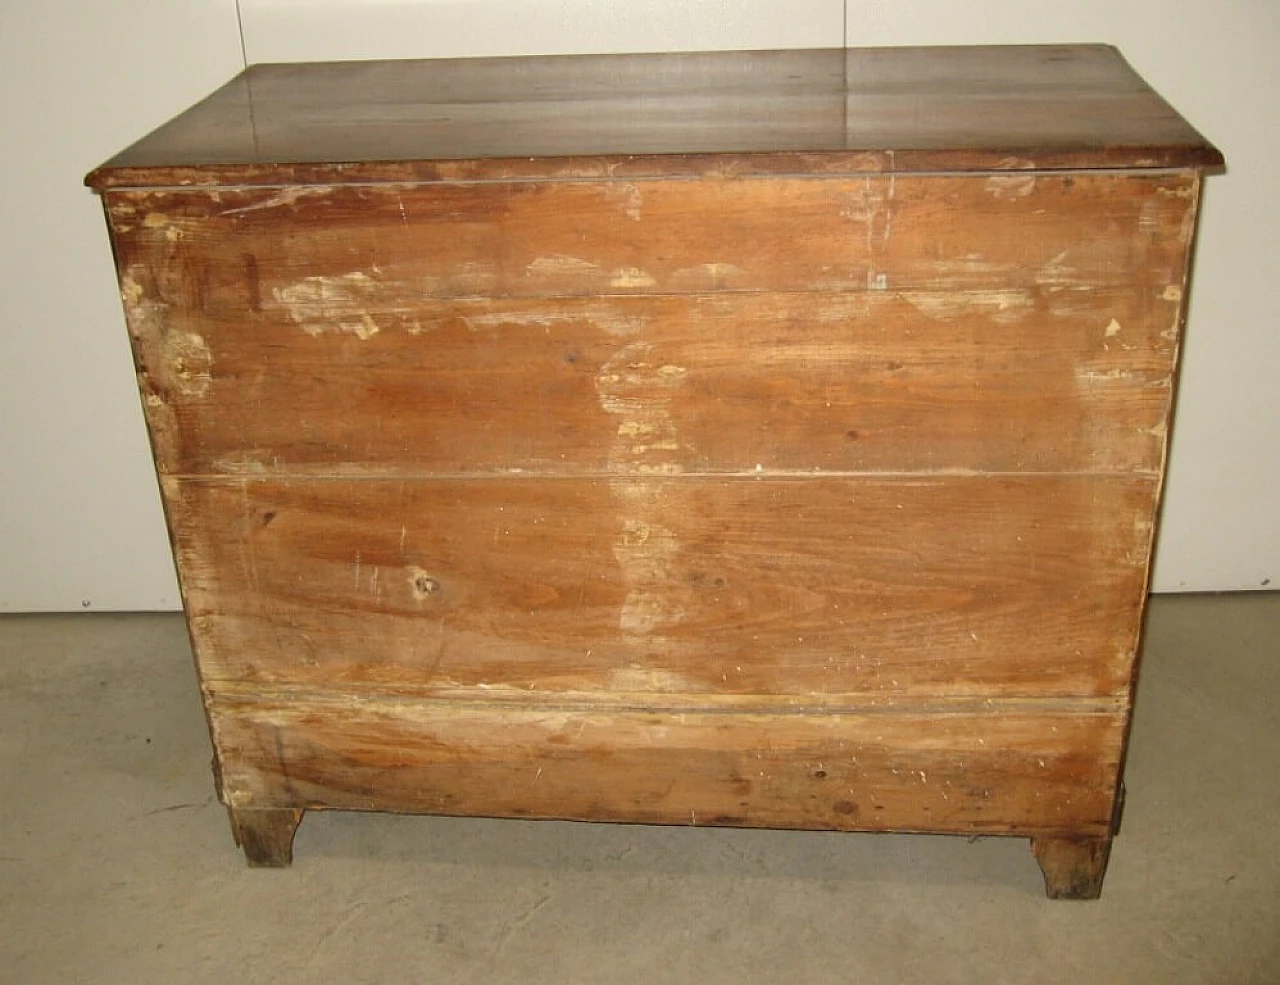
(1001, 770)
(824, 589)
(984, 381)
(891, 324)
(308, 249)
(911, 109)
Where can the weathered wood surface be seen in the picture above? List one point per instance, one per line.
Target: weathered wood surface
(921, 109)
(904, 324)
(997, 769)
(310, 252)
(828, 587)
(984, 381)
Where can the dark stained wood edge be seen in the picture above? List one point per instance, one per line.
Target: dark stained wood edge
(265, 835)
(1200, 157)
(1073, 868)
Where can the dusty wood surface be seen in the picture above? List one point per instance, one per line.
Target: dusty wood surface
(833, 587)
(1029, 770)
(935, 109)
(1074, 867)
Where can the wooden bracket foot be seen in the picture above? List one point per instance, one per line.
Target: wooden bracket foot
(266, 836)
(1073, 868)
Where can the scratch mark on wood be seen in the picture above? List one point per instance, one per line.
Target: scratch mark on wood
(1056, 272)
(289, 196)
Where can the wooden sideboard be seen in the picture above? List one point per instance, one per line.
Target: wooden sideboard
(740, 438)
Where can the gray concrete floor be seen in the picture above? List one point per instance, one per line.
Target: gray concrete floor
(117, 866)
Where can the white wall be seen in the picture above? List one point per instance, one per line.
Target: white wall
(80, 521)
(316, 30)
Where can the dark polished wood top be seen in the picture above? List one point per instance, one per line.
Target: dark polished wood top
(734, 112)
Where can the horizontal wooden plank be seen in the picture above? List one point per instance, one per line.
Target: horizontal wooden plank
(312, 250)
(810, 586)
(1000, 380)
(995, 344)
(997, 770)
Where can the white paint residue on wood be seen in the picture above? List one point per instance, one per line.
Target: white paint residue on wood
(331, 304)
(1176, 191)
(1011, 186)
(188, 358)
(561, 265)
(1093, 376)
(629, 197)
(610, 319)
(713, 276)
(638, 389)
(1003, 306)
(652, 679)
(158, 220)
(131, 292)
(1016, 164)
(631, 278)
(646, 551)
(872, 208)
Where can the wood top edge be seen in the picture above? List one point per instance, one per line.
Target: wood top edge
(706, 114)
(1205, 159)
